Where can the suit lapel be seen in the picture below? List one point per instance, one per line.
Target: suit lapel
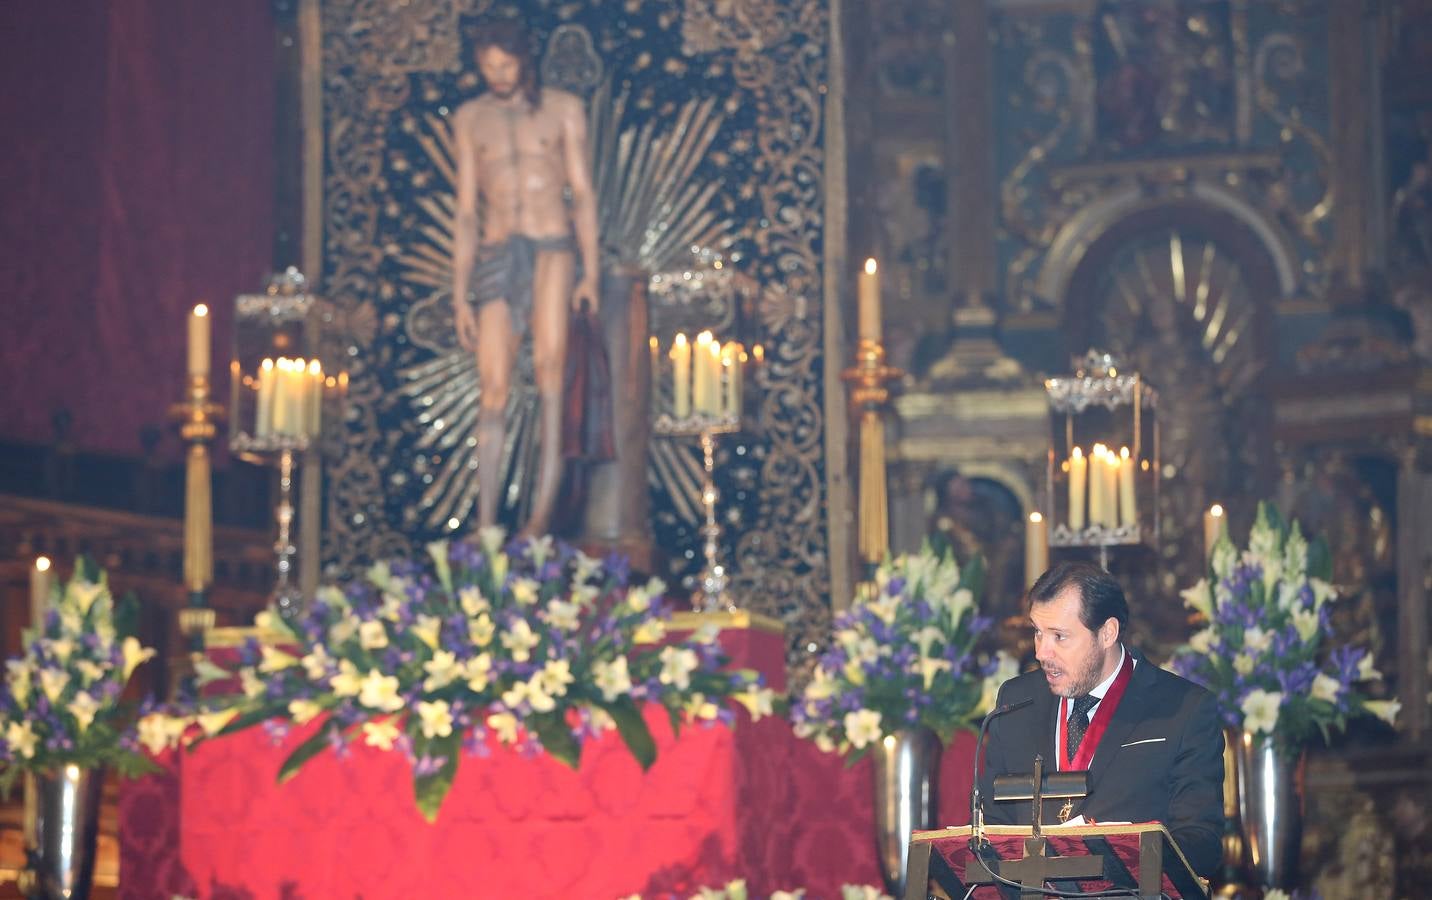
(1130, 712)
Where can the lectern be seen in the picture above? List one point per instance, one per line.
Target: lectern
(1141, 858)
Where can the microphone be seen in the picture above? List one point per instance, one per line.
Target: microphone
(976, 810)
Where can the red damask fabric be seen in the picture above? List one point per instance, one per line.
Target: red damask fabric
(751, 801)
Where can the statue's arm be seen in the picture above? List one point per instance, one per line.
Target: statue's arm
(465, 228)
(584, 199)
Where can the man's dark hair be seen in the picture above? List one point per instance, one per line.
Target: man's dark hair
(1100, 596)
(511, 37)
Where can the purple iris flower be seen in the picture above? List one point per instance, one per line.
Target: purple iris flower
(428, 765)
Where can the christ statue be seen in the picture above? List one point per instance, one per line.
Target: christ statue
(522, 158)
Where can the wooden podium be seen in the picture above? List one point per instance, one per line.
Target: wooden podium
(1140, 858)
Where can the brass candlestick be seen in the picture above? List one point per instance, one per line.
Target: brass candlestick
(868, 392)
(198, 418)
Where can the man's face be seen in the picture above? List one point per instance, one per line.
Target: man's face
(501, 70)
(1074, 658)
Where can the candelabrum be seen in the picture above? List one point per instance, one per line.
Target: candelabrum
(868, 380)
(198, 418)
(713, 593)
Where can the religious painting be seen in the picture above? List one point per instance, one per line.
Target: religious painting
(704, 141)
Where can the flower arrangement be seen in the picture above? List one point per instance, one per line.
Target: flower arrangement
(1267, 652)
(61, 704)
(905, 657)
(531, 642)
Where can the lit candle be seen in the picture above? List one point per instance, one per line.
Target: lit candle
(199, 340)
(1078, 475)
(314, 387)
(701, 374)
(681, 377)
(1036, 548)
(653, 376)
(280, 422)
(731, 357)
(39, 592)
(713, 368)
(868, 301)
(1128, 509)
(1111, 489)
(268, 385)
(1096, 484)
(1212, 529)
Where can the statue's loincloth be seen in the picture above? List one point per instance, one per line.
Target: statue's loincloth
(506, 270)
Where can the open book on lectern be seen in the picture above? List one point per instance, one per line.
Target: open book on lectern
(1013, 862)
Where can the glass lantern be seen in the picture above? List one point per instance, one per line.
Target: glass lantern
(1102, 484)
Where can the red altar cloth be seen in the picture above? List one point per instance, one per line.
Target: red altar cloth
(750, 802)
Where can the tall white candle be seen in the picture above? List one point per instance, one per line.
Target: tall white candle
(1078, 478)
(40, 577)
(1096, 484)
(268, 386)
(701, 374)
(199, 340)
(867, 297)
(1212, 528)
(1036, 548)
(314, 385)
(1111, 489)
(1128, 508)
(681, 377)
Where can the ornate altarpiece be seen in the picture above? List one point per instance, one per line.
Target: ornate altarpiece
(385, 75)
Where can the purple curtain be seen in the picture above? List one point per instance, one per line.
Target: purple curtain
(139, 150)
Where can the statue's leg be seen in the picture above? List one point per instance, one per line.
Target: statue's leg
(496, 352)
(551, 298)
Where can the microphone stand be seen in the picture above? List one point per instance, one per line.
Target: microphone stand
(976, 805)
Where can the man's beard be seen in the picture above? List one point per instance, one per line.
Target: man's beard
(1089, 676)
(506, 93)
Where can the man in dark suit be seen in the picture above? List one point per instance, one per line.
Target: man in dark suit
(1151, 741)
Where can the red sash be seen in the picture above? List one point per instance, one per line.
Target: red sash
(1098, 726)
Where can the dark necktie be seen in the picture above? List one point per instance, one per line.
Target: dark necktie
(1078, 724)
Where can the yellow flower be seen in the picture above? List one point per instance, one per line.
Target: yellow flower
(930, 668)
(1260, 711)
(85, 593)
(90, 672)
(83, 708)
(252, 684)
(428, 629)
(478, 672)
(505, 725)
(677, 664)
(472, 601)
(757, 700)
(853, 671)
(62, 649)
(316, 662)
(612, 678)
(1366, 671)
(520, 640)
(1325, 688)
(303, 711)
(347, 683)
(436, 718)
(524, 591)
(1386, 710)
(555, 676)
(702, 709)
(651, 631)
(563, 615)
(480, 630)
(21, 739)
(1243, 664)
(1198, 598)
(275, 660)
(862, 727)
(134, 654)
(491, 537)
(53, 683)
(372, 635)
(213, 722)
(17, 673)
(442, 669)
(380, 692)
(158, 732)
(380, 733)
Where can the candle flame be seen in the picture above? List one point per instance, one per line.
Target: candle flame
(201, 310)
(1035, 518)
(870, 266)
(1078, 453)
(653, 343)
(1215, 510)
(681, 339)
(1124, 452)
(42, 564)
(759, 352)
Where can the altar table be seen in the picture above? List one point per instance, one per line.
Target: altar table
(750, 801)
